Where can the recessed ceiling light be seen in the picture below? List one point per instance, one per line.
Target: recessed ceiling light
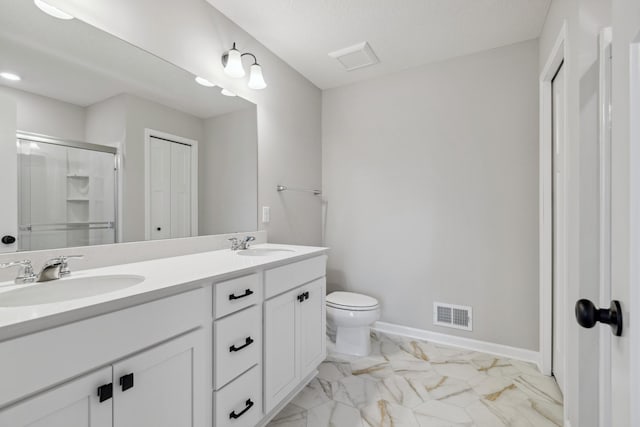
(204, 82)
(226, 92)
(10, 76)
(52, 10)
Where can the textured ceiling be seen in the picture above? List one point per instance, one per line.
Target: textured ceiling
(403, 33)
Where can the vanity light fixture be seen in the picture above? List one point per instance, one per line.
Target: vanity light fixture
(204, 82)
(232, 63)
(227, 92)
(10, 76)
(52, 10)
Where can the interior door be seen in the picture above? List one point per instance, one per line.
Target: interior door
(558, 284)
(74, 404)
(180, 190)
(160, 188)
(156, 388)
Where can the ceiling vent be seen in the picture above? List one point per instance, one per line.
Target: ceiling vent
(357, 56)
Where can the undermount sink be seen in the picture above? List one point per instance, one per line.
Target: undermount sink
(67, 289)
(263, 251)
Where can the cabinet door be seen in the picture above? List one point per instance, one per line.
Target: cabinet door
(281, 372)
(161, 386)
(74, 404)
(312, 321)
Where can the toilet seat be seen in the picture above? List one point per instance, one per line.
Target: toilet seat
(351, 301)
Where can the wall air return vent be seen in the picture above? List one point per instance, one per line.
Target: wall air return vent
(452, 316)
(357, 56)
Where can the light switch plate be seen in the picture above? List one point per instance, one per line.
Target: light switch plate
(266, 214)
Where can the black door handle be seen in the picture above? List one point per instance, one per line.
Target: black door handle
(126, 381)
(247, 343)
(105, 392)
(8, 240)
(246, 294)
(248, 406)
(588, 315)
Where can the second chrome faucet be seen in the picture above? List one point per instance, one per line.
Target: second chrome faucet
(237, 244)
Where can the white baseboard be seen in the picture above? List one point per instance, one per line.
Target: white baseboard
(466, 343)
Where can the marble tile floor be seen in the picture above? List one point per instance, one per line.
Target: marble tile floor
(412, 383)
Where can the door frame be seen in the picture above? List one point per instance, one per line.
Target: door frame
(634, 178)
(148, 134)
(604, 161)
(557, 57)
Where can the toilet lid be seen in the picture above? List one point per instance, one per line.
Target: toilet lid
(350, 300)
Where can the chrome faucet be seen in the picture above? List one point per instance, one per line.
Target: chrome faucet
(25, 272)
(243, 244)
(56, 268)
(246, 242)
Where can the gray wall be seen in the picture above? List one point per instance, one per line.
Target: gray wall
(193, 35)
(228, 173)
(47, 116)
(431, 181)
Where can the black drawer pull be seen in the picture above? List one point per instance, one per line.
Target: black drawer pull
(126, 381)
(246, 294)
(303, 296)
(105, 392)
(247, 343)
(233, 414)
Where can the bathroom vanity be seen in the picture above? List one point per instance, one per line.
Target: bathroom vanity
(223, 338)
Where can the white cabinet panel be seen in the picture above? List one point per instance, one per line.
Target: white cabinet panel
(235, 294)
(312, 320)
(237, 345)
(286, 277)
(239, 404)
(280, 348)
(159, 386)
(74, 404)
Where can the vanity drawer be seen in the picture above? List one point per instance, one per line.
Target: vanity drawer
(237, 345)
(239, 404)
(281, 279)
(235, 294)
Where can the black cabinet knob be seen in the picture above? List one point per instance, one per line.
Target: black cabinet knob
(126, 382)
(105, 392)
(159, 228)
(8, 240)
(588, 315)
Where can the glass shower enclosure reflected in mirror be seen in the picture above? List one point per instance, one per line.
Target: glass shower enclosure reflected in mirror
(67, 194)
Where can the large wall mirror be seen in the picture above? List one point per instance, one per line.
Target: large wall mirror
(102, 142)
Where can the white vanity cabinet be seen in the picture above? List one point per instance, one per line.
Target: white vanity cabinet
(75, 403)
(154, 388)
(140, 366)
(294, 327)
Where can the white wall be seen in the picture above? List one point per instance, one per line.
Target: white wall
(47, 116)
(193, 35)
(430, 177)
(228, 173)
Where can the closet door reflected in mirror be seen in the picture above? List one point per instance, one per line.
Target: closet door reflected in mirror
(79, 121)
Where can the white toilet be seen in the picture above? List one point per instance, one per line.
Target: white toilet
(349, 319)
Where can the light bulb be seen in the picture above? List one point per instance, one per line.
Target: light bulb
(227, 92)
(256, 80)
(234, 66)
(52, 10)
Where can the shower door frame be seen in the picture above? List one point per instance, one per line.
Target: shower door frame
(35, 137)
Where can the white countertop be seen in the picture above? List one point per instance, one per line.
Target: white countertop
(163, 277)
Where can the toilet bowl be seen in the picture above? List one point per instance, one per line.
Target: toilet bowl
(349, 320)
